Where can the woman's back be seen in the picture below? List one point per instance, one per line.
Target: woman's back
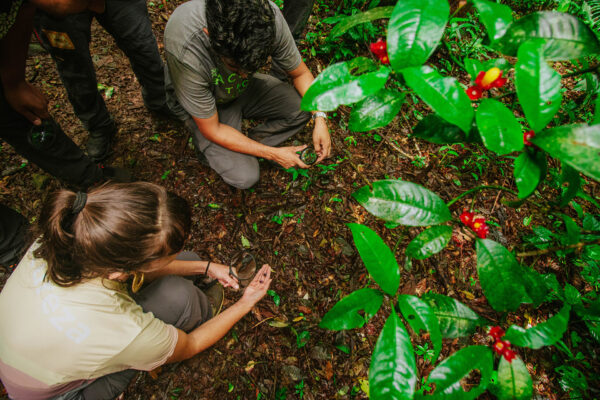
(52, 336)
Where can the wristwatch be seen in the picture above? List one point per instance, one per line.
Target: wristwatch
(319, 114)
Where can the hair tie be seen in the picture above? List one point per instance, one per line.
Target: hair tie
(79, 203)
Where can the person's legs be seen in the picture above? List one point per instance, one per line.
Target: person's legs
(128, 22)
(238, 170)
(58, 156)
(172, 299)
(279, 104)
(67, 39)
(13, 230)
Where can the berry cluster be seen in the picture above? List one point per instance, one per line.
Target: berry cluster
(527, 136)
(478, 224)
(485, 81)
(379, 48)
(502, 347)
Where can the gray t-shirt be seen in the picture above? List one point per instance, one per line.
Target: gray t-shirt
(196, 77)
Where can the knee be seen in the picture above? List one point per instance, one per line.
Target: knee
(242, 177)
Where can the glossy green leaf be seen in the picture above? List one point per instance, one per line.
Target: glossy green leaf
(376, 111)
(495, 17)
(415, 30)
(448, 374)
(474, 67)
(345, 314)
(337, 85)
(403, 202)
(538, 85)
(530, 169)
(360, 18)
(454, 318)
(575, 145)
(544, 334)
(573, 231)
(499, 129)
(393, 371)
(420, 317)
(565, 36)
(378, 258)
(443, 94)
(571, 177)
(534, 284)
(514, 381)
(435, 129)
(500, 276)
(429, 242)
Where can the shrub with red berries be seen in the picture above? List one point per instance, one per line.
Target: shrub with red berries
(379, 48)
(501, 347)
(527, 136)
(478, 224)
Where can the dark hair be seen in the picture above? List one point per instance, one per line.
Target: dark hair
(122, 227)
(242, 31)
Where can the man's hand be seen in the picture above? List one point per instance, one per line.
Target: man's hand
(288, 157)
(321, 139)
(28, 101)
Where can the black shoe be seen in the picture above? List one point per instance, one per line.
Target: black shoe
(99, 144)
(164, 112)
(116, 174)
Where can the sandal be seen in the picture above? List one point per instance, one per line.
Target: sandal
(245, 265)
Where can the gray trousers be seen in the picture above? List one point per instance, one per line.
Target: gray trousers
(266, 98)
(172, 299)
(128, 22)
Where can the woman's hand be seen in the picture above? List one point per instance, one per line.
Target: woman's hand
(220, 272)
(257, 289)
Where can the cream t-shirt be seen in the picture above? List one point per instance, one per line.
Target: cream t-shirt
(53, 338)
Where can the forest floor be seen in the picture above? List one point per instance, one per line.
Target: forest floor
(299, 228)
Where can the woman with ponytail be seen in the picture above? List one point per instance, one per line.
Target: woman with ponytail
(73, 326)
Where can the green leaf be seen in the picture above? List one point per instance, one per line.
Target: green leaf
(535, 286)
(345, 313)
(378, 258)
(544, 334)
(455, 319)
(500, 276)
(575, 145)
(376, 111)
(514, 381)
(565, 36)
(429, 242)
(573, 230)
(499, 129)
(435, 129)
(415, 30)
(473, 67)
(538, 85)
(420, 316)
(360, 18)
(495, 17)
(530, 169)
(571, 177)
(338, 85)
(403, 202)
(393, 371)
(448, 374)
(443, 94)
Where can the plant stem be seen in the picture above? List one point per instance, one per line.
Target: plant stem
(577, 246)
(478, 188)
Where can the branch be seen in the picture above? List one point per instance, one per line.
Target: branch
(577, 246)
(478, 188)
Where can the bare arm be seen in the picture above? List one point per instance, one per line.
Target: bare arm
(23, 97)
(207, 334)
(188, 268)
(303, 78)
(234, 140)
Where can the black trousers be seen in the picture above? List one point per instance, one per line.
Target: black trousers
(59, 157)
(67, 39)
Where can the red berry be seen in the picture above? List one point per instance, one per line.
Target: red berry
(379, 48)
(479, 79)
(499, 347)
(467, 218)
(477, 223)
(384, 60)
(483, 231)
(474, 92)
(496, 332)
(527, 136)
(509, 355)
